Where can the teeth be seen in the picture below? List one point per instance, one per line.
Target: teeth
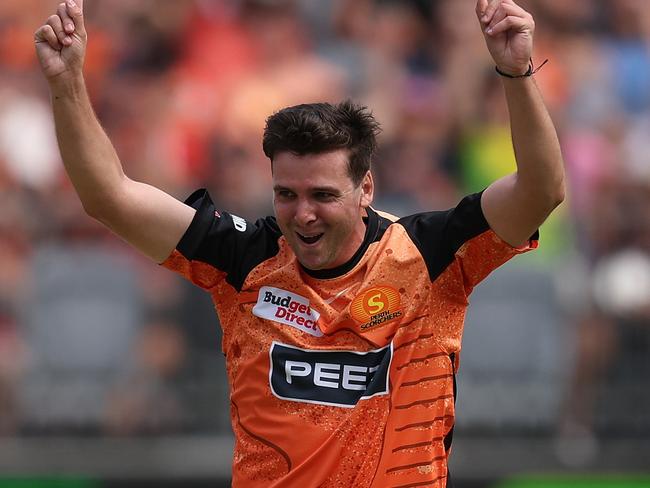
(310, 239)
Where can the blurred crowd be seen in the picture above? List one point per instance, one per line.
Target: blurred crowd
(93, 339)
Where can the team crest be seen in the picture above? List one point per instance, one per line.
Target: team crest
(375, 306)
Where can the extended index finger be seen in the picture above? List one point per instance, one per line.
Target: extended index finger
(481, 6)
(68, 24)
(490, 8)
(75, 11)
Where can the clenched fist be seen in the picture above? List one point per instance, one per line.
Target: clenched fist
(61, 41)
(508, 31)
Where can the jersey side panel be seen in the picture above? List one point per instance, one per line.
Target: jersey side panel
(458, 250)
(422, 415)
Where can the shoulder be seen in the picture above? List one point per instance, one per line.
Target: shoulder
(226, 241)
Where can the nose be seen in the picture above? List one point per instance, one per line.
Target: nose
(305, 212)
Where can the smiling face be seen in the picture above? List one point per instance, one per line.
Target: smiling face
(318, 207)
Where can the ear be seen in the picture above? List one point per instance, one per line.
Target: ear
(367, 190)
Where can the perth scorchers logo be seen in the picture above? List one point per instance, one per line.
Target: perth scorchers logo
(375, 306)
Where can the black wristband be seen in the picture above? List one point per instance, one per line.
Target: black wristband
(529, 72)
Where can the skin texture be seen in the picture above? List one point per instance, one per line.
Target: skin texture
(313, 195)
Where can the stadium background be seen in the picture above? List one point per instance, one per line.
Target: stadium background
(110, 368)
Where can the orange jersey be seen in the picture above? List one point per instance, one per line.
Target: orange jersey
(342, 377)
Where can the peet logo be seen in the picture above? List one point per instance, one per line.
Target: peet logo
(287, 308)
(376, 306)
(339, 378)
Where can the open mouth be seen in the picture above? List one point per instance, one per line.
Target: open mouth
(312, 239)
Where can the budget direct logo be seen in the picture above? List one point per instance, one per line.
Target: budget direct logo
(376, 306)
(287, 308)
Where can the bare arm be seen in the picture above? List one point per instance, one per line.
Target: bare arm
(516, 205)
(146, 217)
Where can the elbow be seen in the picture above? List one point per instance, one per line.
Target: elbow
(94, 212)
(102, 204)
(548, 195)
(545, 194)
(554, 189)
(559, 194)
(90, 209)
(96, 209)
(560, 190)
(553, 198)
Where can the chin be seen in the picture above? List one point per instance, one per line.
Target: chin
(315, 264)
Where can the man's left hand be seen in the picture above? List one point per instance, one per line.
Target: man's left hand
(508, 30)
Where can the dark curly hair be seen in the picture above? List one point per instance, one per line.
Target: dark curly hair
(321, 127)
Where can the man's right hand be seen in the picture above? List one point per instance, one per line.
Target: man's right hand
(146, 217)
(61, 42)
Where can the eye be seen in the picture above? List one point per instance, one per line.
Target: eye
(284, 194)
(324, 196)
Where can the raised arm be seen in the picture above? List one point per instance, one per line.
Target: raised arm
(146, 217)
(516, 205)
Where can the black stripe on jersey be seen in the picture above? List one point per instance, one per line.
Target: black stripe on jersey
(230, 245)
(439, 235)
(375, 228)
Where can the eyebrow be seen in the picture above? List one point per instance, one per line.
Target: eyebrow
(326, 189)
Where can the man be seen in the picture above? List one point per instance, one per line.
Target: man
(341, 325)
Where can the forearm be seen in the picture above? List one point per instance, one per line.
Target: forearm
(146, 217)
(540, 171)
(517, 204)
(88, 155)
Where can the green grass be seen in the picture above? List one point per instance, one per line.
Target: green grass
(605, 481)
(47, 483)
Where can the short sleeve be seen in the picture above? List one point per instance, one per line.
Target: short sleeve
(462, 235)
(220, 245)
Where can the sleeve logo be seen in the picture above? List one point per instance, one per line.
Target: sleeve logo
(239, 223)
(339, 378)
(376, 306)
(287, 308)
